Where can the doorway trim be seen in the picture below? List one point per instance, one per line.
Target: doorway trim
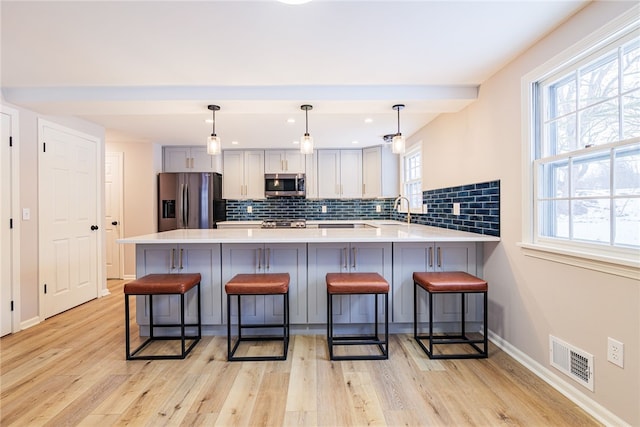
(15, 214)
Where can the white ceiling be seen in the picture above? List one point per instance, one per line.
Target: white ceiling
(146, 70)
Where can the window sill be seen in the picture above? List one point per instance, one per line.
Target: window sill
(629, 268)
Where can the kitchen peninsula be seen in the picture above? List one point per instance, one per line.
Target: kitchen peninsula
(391, 248)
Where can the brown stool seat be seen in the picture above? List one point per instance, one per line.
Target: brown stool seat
(356, 283)
(245, 285)
(449, 281)
(164, 286)
(157, 284)
(258, 284)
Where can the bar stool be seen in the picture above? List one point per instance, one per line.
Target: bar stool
(258, 284)
(163, 284)
(358, 284)
(452, 282)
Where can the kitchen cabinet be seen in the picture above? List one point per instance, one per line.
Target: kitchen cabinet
(189, 159)
(339, 174)
(379, 173)
(326, 258)
(243, 176)
(284, 161)
(253, 258)
(311, 175)
(183, 258)
(442, 256)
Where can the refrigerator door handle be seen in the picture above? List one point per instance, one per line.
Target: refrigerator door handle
(186, 192)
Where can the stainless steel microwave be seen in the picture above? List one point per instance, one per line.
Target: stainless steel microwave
(284, 184)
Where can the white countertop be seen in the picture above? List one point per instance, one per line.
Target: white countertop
(380, 231)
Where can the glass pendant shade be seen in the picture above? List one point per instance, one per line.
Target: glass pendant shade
(397, 144)
(213, 145)
(306, 144)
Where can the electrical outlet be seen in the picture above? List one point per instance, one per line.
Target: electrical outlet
(26, 214)
(324, 209)
(425, 208)
(615, 352)
(378, 208)
(249, 209)
(456, 208)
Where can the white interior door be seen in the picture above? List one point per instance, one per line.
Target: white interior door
(113, 214)
(68, 218)
(6, 237)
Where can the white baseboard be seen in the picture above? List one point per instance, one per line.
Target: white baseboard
(590, 406)
(105, 292)
(129, 277)
(29, 323)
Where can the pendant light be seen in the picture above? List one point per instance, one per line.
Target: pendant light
(306, 142)
(397, 143)
(214, 146)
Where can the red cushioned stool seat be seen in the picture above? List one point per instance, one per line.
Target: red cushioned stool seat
(450, 282)
(257, 284)
(358, 284)
(163, 284)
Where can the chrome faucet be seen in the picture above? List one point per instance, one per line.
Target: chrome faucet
(397, 202)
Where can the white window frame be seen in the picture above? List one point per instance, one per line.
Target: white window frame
(415, 149)
(624, 263)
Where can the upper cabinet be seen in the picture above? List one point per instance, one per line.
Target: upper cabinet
(243, 176)
(339, 174)
(189, 159)
(284, 161)
(379, 173)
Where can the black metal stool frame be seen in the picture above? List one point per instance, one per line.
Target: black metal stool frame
(444, 339)
(284, 325)
(152, 337)
(374, 339)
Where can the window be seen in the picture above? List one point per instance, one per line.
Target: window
(412, 177)
(585, 152)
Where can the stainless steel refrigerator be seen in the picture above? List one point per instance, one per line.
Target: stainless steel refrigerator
(190, 200)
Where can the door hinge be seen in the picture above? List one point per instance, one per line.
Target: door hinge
(45, 288)
(12, 305)
(10, 141)
(10, 223)
(44, 147)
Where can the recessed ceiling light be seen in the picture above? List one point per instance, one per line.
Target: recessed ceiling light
(354, 142)
(368, 120)
(296, 142)
(208, 121)
(290, 120)
(234, 142)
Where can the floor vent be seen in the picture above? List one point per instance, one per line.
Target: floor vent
(576, 363)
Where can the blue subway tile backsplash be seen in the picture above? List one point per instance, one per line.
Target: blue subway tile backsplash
(479, 209)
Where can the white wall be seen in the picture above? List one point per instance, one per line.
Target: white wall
(532, 298)
(28, 187)
(142, 163)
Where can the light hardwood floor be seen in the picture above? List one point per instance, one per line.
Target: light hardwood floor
(70, 370)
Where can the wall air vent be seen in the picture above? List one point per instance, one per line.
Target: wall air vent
(573, 362)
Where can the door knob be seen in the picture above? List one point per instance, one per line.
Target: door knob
(94, 227)
(114, 222)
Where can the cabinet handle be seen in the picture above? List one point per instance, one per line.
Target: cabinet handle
(353, 261)
(181, 251)
(439, 257)
(192, 160)
(344, 258)
(187, 161)
(173, 259)
(259, 258)
(267, 258)
(341, 189)
(430, 257)
(286, 165)
(338, 189)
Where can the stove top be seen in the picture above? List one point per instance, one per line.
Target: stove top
(284, 223)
